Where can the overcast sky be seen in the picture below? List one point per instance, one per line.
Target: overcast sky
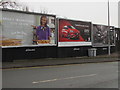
(85, 10)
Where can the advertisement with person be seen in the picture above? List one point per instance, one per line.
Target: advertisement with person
(43, 34)
(74, 33)
(0, 28)
(27, 29)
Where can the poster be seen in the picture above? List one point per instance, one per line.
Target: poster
(112, 36)
(101, 35)
(18, 29)
(74, 33)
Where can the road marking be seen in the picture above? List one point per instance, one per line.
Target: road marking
(45, 81)
(52, 80)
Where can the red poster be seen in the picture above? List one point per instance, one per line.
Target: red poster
(72, 31)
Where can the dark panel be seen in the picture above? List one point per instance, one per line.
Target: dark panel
(102, 51)
(9, 54)
(51, 52)
(118, 39)
(113, 49)
(72, 51)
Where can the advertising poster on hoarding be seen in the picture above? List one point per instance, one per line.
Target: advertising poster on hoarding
(21, 29)
(74, 33)
(112, 36)
(0, 28)
(100, 35)
(117, 34)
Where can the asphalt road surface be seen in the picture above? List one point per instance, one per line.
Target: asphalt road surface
(92, 75)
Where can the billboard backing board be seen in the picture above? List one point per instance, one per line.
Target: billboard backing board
(100, 36)
(74, 33)
(23, 29)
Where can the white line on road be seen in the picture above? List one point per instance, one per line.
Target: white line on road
(44, 81)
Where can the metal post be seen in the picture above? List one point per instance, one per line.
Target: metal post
(109, 52)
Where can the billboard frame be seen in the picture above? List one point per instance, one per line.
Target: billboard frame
(95, 46)
(32, 13)
(78, 21)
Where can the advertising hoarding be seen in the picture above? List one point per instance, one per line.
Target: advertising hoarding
(112, 36)
(22, 29)
(74, 33)
(100, 35)
(0, 28)
(117, 30)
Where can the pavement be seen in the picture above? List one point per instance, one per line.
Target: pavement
(59, 61)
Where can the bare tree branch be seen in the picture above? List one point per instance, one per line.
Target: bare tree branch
(14, 4)
(10, 4)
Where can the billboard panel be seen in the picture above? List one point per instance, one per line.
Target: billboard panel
(74, 33)
(21, 29)
(0, 28)
(100, 35)
(112, 36)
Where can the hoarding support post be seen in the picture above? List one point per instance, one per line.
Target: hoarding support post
(109, 30)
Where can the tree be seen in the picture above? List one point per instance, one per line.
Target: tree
(13, 4)
(8, 4)
(16, 5)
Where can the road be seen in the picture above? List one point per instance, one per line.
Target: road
(92, 75)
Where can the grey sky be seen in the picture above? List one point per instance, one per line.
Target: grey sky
(95, 11)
